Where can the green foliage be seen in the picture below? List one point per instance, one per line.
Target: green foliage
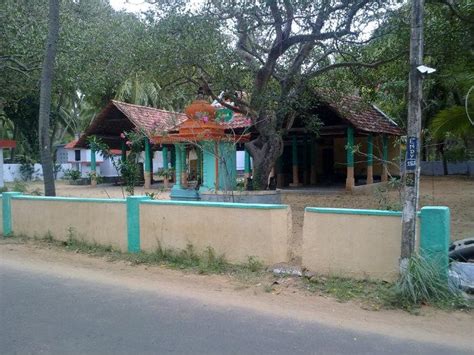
(166, 172)
(20, 186)
(452, 120)
(27, 168)
(424, 282)
(71, 174)
(346, 289)
(3, 189)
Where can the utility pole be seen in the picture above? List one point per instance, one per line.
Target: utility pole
(412, 161)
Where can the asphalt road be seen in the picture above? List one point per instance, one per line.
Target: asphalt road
(40, 313)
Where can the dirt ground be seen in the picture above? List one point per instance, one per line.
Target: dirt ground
(224, 291)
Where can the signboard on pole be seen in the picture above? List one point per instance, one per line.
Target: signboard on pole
(412, 151)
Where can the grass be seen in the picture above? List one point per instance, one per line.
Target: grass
(374, 294)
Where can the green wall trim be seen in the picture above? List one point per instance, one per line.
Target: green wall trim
(7, 212)
(133, 222)
(259, 206)
(435, 235)
(247, 162)
(353, 211)
(70, 199)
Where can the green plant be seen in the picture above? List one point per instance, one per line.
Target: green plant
(27, 168)
(92, 175)
(253, 264)
(425, 282)
(3, 189)
(36, 192)
(167, 173)
(72, 175)
(20, 186)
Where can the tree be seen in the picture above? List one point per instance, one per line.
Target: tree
(280, 46)
(47, 75)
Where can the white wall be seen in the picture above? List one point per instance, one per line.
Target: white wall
(11, 172)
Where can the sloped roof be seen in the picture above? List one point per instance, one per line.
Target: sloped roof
(360, 113)
(151, 120)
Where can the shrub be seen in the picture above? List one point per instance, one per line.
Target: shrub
(424, 282)
(72, 175)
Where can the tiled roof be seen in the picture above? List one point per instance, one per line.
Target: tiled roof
(361, 114)
(151, 120)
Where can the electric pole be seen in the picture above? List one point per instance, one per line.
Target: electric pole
(412, 161)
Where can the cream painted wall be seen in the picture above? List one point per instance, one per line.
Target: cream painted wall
(352, 245)
(235, 232)
(104, 223)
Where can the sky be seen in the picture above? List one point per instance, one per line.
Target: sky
(130, 5)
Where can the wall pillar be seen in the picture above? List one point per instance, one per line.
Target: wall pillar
(178, 166)
(93, 168)
(312, 179)
(147, 164)
(370, 159)
(384, 176)
(7, 212)
(294, 155)
(164, 154)
(435, 236)
(2, 184)
(227, 166)
(133, 222)
(184, 173)
(350, 181)
(208, 166)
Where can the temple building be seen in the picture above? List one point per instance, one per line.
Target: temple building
(355, 143)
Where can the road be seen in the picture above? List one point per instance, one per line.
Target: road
(41, 312)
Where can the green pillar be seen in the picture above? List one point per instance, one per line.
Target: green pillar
(178, 164)
(173, 157)
(164, 152)
(384, 158)
(370, 150)
(7, 212)
(147, 165)
(435, 236)
(199, 164)
(350, 180)
(93, 162)
(370, 159)
(123, 147)
(294, 151)
(208, 166)
(350, 145)
(247, 163)
(227, 166)
(133, 222)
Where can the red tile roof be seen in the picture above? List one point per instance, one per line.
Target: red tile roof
(361, 114)
(151, 120)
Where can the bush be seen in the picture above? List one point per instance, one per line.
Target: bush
(425, 283)
(72, 175)
(20, 186)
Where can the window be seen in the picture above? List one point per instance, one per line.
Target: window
(77, 155)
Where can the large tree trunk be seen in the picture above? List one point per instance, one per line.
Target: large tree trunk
(47, 75)
(265, 150)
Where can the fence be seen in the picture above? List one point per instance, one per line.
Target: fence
(343, 242)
